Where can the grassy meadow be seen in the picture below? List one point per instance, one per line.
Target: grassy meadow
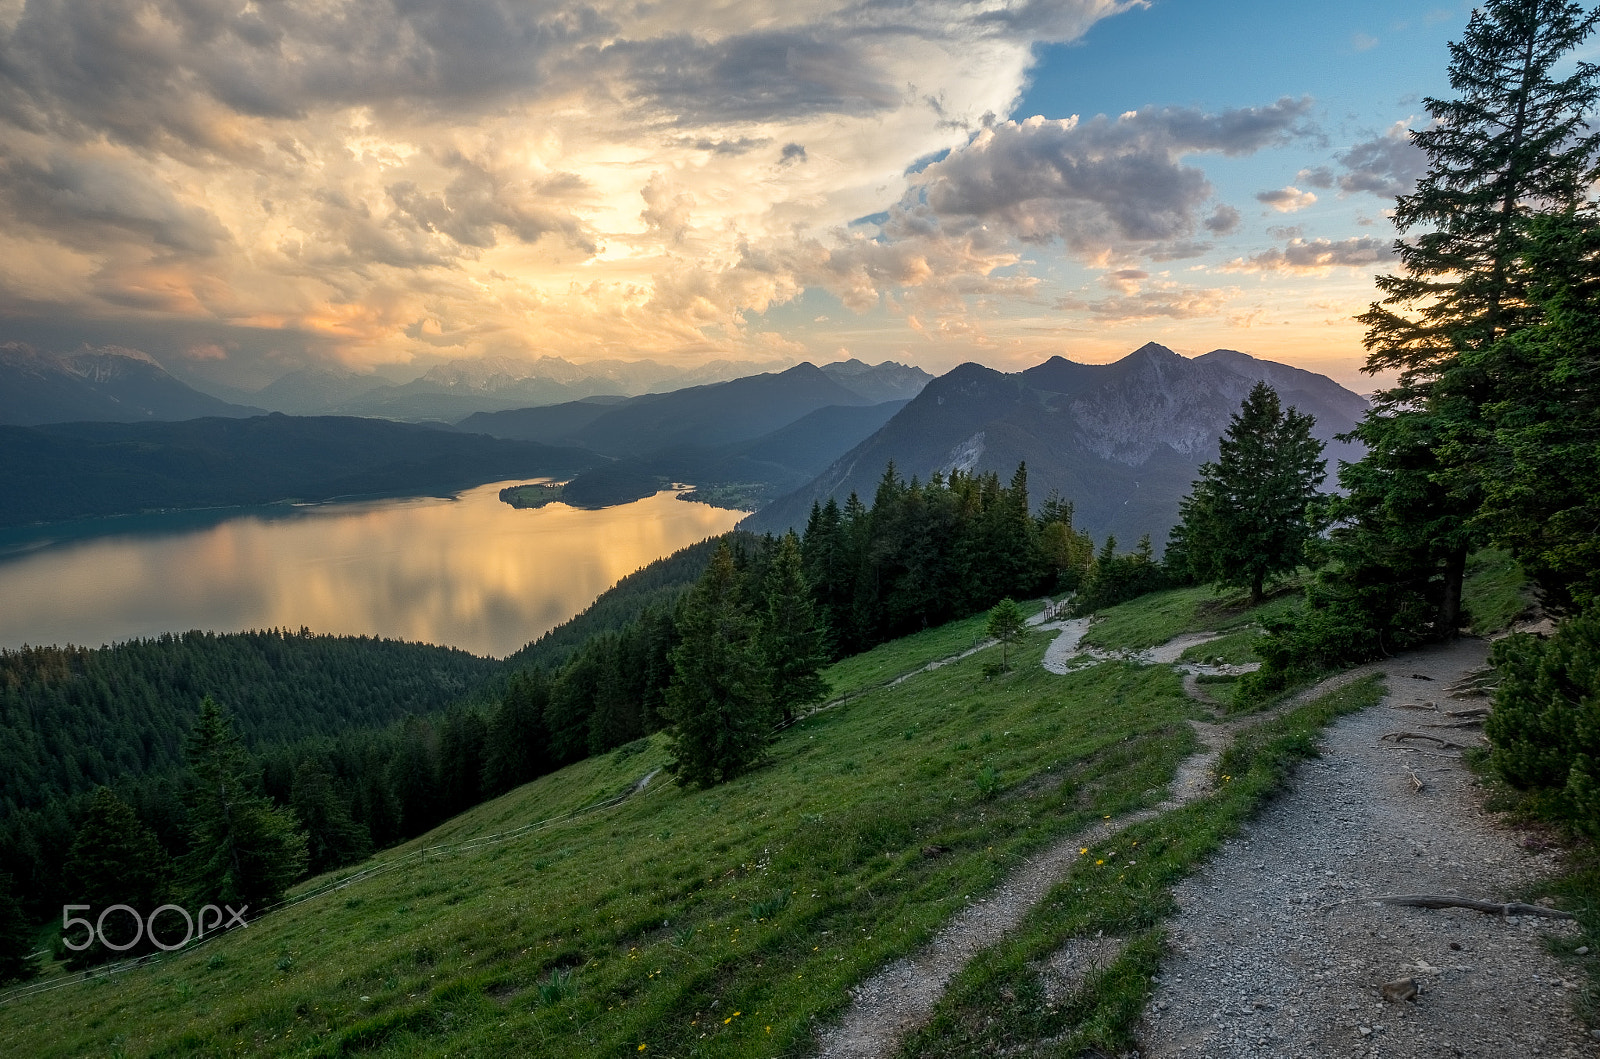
(725, 922)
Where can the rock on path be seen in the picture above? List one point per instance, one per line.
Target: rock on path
(1279, 953)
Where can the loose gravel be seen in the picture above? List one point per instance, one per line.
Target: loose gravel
(1279, 950)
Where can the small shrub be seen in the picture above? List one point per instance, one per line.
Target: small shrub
(988, 782)
(1544, 730)
(770, 907)
(558, 987)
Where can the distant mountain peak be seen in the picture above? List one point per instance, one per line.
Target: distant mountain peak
(1122, 440)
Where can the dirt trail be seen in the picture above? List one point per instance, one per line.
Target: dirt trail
(1278, 949)
(901, 996)
(1276, 953)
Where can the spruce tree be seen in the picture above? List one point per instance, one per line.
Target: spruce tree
(719, 702)
(18, 961)
(1513, 145)
(1542, 480)
(790, 637)
(243, 850)
(333, 838)
(518, 747)
(1245, 520)
(115, 860)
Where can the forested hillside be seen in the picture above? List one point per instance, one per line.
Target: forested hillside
(77, 470)
(74, 717)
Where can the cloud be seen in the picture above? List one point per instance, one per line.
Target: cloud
(1286, 200)
(1167, 301)
(381, 180)
(86, 197)
(1315, 255)
(1223, 220)
(1388, 166)
(752, 77)
(1103, 185)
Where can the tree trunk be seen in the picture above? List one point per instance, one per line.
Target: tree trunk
(1258, 586)
(1455, 572)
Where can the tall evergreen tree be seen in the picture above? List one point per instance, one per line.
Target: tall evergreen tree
(518, 745)
(18, 961)
(243, 849)
(1246, 518)
(115, 860)
(333, 838)
(790, 638)
(1542, 475)
(719, 702)
(1514, 144)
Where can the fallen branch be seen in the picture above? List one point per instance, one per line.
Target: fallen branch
(1476, 711)
(1398, 736)
(1493, 908)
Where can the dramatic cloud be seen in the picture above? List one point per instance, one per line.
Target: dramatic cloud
(1286, 200)
(1388, 166)
(379, 181)
(383, 180)
(1316, 255)
(1104, 186)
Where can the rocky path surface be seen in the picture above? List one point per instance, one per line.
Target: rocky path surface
(1279, 950)
(902, 996)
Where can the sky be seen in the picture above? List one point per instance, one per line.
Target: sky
(241, 189)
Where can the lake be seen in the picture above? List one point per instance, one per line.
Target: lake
(469, 572)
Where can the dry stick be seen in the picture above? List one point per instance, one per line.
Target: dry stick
(1397, 736)
(1512, 908)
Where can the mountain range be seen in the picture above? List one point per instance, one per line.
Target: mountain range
(110, 384)
(1123, 441)
(741, 442)
(455, 389)
(77, 470)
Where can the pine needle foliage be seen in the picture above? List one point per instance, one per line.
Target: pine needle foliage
(720, 699)
(243, 849)
(1247, 520)
(1515, 144)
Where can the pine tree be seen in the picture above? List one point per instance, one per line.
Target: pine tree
(1515, 144)
(790, 638)
(333, 838)
(1542, 480)
(243, 850)
(18, 961)
(518, 745)
(1245, 520)
(1006, 623)
(115, 860)
(719, 702)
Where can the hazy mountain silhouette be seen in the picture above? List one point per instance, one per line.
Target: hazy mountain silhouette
(1123, 441)
(109, 384)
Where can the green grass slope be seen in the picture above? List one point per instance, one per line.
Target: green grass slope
(726, 922)
(710, 923)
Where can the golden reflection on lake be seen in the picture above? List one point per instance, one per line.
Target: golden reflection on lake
(470, 572)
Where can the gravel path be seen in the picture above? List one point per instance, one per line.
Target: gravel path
(1279, 951)
(902, 996)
